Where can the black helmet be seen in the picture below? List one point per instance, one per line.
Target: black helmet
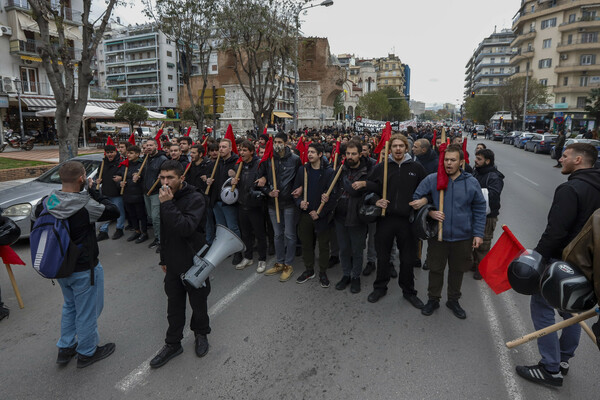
(9, 231)
(566, 288)
(368, 212)
(425, 227)
(525, 272)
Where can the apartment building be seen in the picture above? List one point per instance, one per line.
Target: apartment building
(392, 73)
(557, 44)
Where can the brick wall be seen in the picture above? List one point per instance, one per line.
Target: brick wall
(23, 173)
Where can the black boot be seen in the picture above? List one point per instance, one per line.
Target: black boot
(118, 234)
(133, 237)
(165, 354)
(201, 345)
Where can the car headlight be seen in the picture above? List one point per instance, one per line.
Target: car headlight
(18, 210)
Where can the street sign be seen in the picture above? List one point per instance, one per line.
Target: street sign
(208, 109)
(209, 92)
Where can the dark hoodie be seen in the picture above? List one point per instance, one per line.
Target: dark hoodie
(111, 188)
(489, 177)
(350, 200)
(574, 202)
(285, 171)
(429, 161)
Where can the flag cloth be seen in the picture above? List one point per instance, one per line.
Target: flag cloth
(124, 163)
(465, 151)
(494, 266)
(205, 144)
(188, 131)
(109, 141)
(9, 256)
(303, 150)
(442, 176)
(386, 134)
(131, 139)
(229, 135)
(336, 150)
(434, 139)
(268, 151)
(157, 139)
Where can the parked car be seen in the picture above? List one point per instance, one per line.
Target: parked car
(509, 138)
(17, 202)
(480, 129)
(576, 140)
(498, 135)
(521, 140)
(540, 143)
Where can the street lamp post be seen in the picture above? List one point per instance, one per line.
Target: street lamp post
(19, 88)
(325, 3)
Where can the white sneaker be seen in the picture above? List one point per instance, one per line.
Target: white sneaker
(262, 265)
(245, 262)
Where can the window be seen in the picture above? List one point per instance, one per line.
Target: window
(549, 23)
(581, 102)
(171, 100)
(29, 80)
(588, 15)
(490, 81)
(170, 88)
(501, 80)
(545, 63)
(491, 70)
(501, 70)
(492, 60)
(169, 76)
(502, 60)
(547, 43)
(563, 99)
(569, 39)
(532, 9)
(588, 59)
(544, 82)
(213, 67)
(168, 41)
(572, 18)
(169, 54)
(583, 81)
(565, 81)
(385, 81)
(591, 37)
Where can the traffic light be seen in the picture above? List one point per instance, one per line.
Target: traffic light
(472, 93)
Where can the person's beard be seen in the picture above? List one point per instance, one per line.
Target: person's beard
(351, 163)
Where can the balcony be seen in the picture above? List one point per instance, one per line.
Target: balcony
(574, 89)
(482, 85)
(30, 47)
(578, 45)
(69, 14)
(522, 74)
(562, 68)
(580, 23)
(523, 38)
(521, 55)
(492, 54)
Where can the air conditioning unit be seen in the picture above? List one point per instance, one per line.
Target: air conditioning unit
(564, 56)
(581, 29)
(8, 85)
(5, 30)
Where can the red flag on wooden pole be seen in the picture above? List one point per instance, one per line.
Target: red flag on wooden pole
(494, 266)
(464, 149)
(131, 139)
(229, 135)
(157, 139)
(268, 151)
(303, 150)
(386, 134)
(109, 141)
(442, 176)
(188, 131)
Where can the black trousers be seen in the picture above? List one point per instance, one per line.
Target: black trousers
(136, 215)
(252, 225)
(176, 294)
(388, 229)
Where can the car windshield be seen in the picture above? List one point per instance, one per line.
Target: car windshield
(51, 176)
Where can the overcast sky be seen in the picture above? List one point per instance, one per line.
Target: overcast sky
(435, 37)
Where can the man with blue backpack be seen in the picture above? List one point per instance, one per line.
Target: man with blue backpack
(64, 247)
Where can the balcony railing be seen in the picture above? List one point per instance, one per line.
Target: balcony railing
(31, 46)
(69, 13)
(576, 42)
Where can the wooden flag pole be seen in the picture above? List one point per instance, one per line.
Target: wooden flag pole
(553, 328)
(212, 176)
(237, 175)
(14, 285)
(587, 329)
(124, 181)
(305, 182)
(275, 188)
(187, 168)
(100, 175)
(337, 153)
(153, 186)
(385, 173)
(335, 179)
(143, 164)
(440, 223)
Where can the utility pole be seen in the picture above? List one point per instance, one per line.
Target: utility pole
(525, 97)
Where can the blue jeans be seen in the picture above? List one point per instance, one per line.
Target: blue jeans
(117, 201)
(81, 309)
(284, 234)
(227, 216)
(153, 210)
(552, 349)
(351, 240)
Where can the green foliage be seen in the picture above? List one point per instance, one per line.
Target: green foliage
(428, 115)
(442, 114)
(170, 113)
(482, 108)
(375, 105)
(592, 104)
(338, 104)
(513, 92)
(400, 110)
(132, 113)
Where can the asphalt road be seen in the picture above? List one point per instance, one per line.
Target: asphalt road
(273, 340)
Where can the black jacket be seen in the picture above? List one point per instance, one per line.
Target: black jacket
(221, 175)
(403, 180)
(325, 177)
(574, 202)
(151, 171)
(182, 229)
(489, 177)
(109, 187)
(249, 195)
(429, 161)
(134, 191)
(350, 200)
(285, 170)
(195, 173)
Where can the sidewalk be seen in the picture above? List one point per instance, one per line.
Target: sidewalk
(41, 153)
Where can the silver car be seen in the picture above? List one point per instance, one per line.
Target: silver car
(17, 202)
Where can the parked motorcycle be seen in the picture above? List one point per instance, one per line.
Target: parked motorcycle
(16, 142)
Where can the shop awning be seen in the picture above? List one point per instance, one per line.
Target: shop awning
(43, 103)
(29, 24)
(281, 114)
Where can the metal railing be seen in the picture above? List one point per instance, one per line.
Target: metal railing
(69, 14)
(32, 47)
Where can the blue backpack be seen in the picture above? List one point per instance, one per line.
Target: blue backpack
(53, 253)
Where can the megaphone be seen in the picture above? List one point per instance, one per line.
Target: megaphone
(225, 244)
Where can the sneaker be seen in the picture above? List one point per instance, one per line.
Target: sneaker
(538, 374)
(65, 354)
(201, 345)
(101, 236)
(165, 354)
(118, 234)
(4, 312)
(341, 285)
(287, 273)
(430, 307)
(244, 263)
(262, 265)
(141, 239)
(355, 285)
(154, 243)
(276, 269)
(564, 368)
(477, 275)
(134, 236)
(456, 309)
(369, 268)
(324, 280)
(101, 353)
(305, 276)
(375, 295)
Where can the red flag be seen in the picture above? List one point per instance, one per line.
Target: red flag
(434, 139)
(204, 143)
(268, 151)
(124, 163)
(109, 141)
(131, 139)
(464, 148)
(494, 266)
(386, 134)
(336, 150)
(188, 131)
(442, 176)
(303, 149)
(157, 139)
(229, 135)
(9, 256)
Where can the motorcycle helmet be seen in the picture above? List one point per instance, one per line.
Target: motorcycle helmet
(9, 231)
(566, 288)
(368, 212)
(227, 196)
(525, 272)
(425, 227)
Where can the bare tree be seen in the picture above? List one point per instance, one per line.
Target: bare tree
(259, 35)
(68, 68)
(191, 25)
(512, 96)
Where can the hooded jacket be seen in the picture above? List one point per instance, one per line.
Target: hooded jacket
(151, 171)
(221, 175)
(429, 161)
(134, 191)
(111, 188)
(194, 175)
(489, 177)
(350, 200)
(249, 195)
(182, 229)
(81, 210)
(403, 179)
(464, 206)
(325, 177)
(574, 202)
(285, 170)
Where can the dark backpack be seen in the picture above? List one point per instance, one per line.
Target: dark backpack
(53, 253)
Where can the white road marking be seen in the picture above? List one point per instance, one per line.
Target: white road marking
(527, 179)
(138, 375)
